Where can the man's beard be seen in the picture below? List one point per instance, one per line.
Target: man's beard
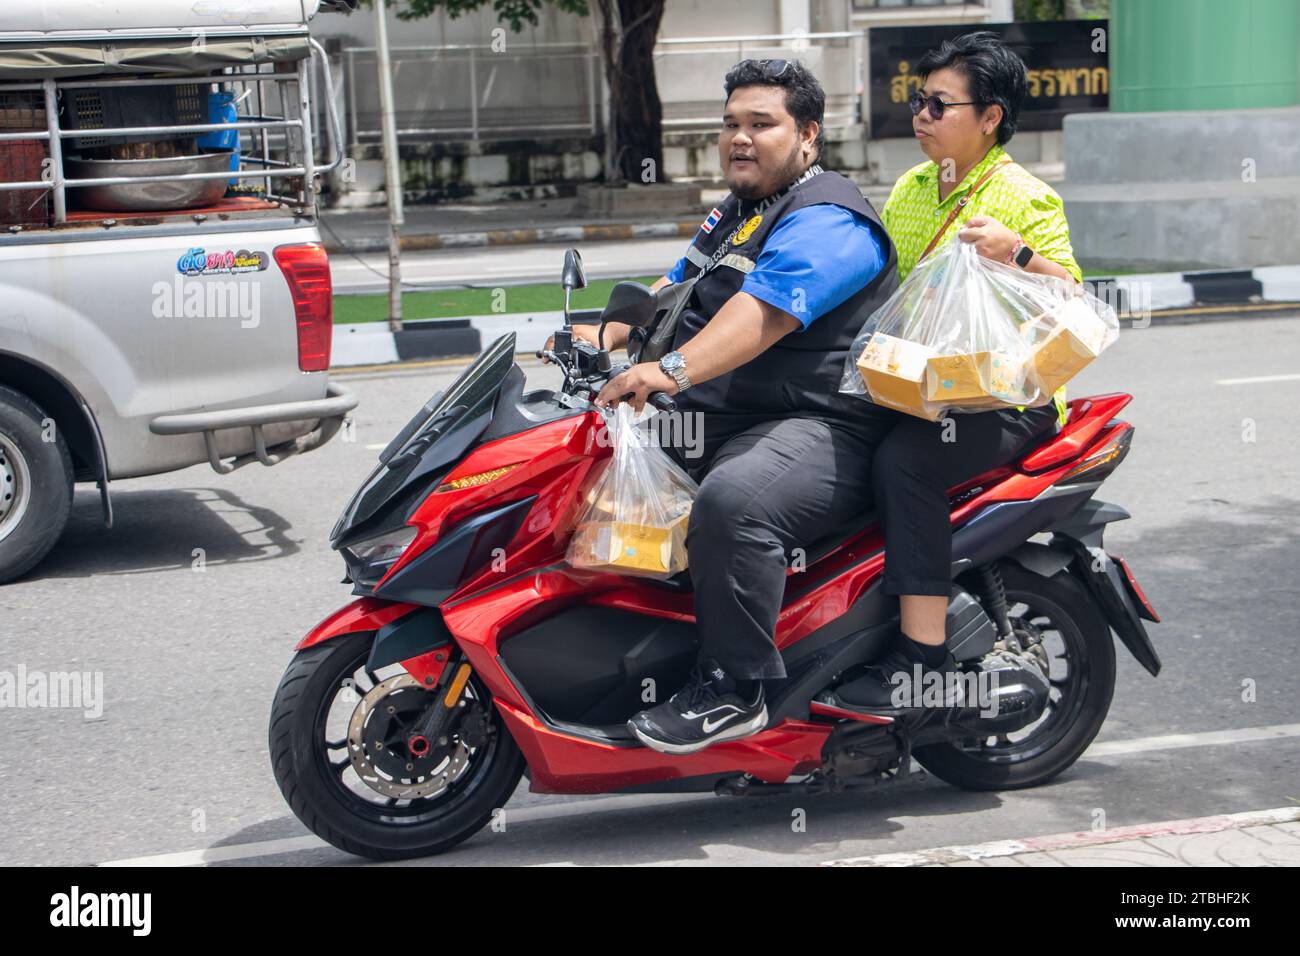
(794, 168)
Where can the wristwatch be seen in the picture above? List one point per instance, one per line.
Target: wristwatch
(674, 365)
(1020, 254)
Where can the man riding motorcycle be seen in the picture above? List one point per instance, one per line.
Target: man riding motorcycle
(789, 267)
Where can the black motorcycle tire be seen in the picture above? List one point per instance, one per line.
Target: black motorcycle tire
(1067, 603)
(314, 798)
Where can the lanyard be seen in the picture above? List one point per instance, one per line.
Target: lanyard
(956, 210)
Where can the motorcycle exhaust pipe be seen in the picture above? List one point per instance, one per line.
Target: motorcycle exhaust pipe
(1010, 693)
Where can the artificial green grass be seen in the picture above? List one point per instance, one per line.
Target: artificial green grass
(453, 303)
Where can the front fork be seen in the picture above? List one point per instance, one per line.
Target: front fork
(448, 690)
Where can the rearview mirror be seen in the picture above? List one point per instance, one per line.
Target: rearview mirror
(573, 276)
(630, 303)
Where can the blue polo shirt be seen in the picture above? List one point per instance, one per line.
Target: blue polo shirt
(814, 259)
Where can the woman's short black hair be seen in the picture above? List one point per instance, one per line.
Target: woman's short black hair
(993, 70)
(804, 97)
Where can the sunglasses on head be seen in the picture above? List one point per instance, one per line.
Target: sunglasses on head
(916, 102)
(772, 69)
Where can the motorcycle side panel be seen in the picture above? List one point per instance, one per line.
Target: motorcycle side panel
(600, 665)
(561, 763)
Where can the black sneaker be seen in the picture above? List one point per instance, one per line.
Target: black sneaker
(899, 682)
(704, 712)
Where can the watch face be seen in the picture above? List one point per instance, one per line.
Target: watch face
(672, 360)
(1023, 256)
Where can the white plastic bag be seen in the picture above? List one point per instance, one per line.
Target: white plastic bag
(966, 334)
(637, 511)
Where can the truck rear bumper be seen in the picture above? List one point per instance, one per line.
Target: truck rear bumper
(328, 411)
(338, 401)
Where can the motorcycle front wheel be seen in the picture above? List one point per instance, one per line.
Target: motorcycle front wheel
(339, 748)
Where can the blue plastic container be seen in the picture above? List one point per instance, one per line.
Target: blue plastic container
(221, 109)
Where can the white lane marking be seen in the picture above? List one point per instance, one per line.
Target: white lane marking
(1258, 380)
(221, 854)
(1116, 748)
(380, 447)
(1069, 841)
(1212, 738)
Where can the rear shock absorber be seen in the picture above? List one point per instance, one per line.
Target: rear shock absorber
(994, 596)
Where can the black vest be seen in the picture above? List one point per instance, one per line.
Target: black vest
(800, 374)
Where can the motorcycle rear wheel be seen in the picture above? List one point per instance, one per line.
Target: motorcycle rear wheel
(331, 797)
(1080, 697)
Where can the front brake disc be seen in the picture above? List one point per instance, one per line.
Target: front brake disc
(377, 743)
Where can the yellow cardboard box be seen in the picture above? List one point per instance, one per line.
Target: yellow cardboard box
(975, 377)
(1063, 342)
(951, 378)
(894, 372)
(627, 547)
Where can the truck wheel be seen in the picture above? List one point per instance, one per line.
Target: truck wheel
(35, 485)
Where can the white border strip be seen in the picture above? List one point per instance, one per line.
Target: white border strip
(1155, 291)
(1070, 841)
(1280, 283)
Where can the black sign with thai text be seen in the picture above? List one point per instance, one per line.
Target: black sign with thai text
(1067, 62)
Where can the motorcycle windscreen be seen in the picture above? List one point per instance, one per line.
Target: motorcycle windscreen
(435, 439)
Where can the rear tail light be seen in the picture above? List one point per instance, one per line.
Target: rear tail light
(1105, 460)
(306, 268)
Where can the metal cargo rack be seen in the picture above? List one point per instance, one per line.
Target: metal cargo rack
(274, 141)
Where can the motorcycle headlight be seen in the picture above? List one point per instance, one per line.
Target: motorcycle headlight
(369, 559)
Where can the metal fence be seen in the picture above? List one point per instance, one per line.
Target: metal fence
(473, 92)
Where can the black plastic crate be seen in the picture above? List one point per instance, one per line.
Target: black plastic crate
(90, 109)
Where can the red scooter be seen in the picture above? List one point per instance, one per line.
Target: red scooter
(474, 654)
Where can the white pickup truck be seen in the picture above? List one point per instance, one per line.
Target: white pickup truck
(164, 296)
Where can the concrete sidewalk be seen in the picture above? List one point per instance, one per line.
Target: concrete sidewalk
(509, 223)
(1257, 838)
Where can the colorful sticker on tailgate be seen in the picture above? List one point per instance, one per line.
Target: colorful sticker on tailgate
(200, 262)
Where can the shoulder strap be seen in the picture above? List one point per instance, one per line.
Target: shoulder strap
(960, 203)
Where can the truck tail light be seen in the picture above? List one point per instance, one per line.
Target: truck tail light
(306, 268)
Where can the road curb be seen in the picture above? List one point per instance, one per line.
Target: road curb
(1158, 298)
(371, 343)
(589, 232)
(1165, 291)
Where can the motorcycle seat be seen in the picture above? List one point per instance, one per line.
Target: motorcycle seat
(681, 582)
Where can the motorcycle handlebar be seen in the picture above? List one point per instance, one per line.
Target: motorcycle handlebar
(663, 401)
(660, 400)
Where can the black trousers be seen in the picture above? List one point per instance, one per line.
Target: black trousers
(914, 467)
(771, 485)
(768, 486)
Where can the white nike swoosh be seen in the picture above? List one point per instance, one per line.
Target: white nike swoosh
(709, 726)
(692, 715)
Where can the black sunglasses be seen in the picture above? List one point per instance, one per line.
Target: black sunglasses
(916, 102)
(772, 69)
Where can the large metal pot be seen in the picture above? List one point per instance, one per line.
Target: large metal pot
(149, 196)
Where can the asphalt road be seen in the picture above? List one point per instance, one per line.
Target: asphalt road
(191, 651)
